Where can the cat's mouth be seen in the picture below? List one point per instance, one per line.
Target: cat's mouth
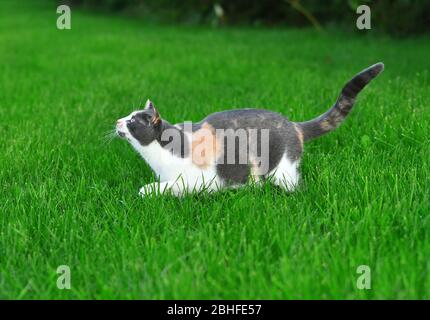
(120, 125)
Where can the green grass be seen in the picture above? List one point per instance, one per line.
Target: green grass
(68, 198)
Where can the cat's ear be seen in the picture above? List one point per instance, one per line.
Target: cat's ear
(149, 105)
(156, 119)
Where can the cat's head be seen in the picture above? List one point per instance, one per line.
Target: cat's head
(142, 126)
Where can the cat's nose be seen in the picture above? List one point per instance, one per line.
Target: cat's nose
(119, 123)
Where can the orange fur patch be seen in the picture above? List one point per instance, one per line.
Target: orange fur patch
(156, 119)
(205, 146)
(299, 135)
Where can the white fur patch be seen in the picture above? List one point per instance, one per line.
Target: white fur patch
(179, 175)
(286, 174)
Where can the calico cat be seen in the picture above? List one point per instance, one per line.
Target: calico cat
(230, 148)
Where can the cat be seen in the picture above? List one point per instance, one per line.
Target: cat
(231, 148)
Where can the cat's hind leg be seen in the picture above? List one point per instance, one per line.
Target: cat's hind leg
(286, 174)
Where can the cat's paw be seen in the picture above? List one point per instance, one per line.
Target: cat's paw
(147, 190)
(154, 189)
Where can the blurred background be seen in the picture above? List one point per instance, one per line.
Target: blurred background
(396, 17)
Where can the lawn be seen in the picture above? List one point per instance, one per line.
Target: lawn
(69, 197)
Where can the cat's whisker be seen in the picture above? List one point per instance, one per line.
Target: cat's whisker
(109, 132)
(108, 136)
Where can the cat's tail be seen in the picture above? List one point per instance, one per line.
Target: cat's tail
(333, 117)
